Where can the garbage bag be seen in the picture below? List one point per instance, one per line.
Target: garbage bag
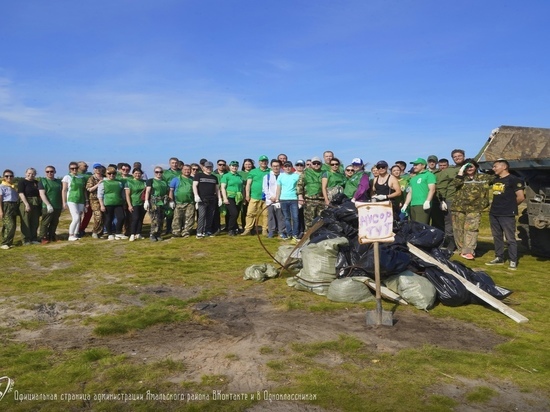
(415, 289)
(260, 273)
(419, 234)
(393, 259)
(450, 291)
(283, 253)
(348, 290)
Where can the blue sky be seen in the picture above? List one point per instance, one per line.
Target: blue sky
(110, 81)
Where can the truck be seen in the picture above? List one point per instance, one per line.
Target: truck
(527, 150)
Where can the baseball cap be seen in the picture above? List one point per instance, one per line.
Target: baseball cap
(96, 165)
(203, 161)
(420, 161)
(287, 163)
(262, 158)
(233, 163)
(315, 159)
(432, 158)
(381, 163)
(300, 162)
(208, 164)
(357, 161)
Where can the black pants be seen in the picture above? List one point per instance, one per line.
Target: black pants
(502, 226)
(137, 220)
(110, 213)
(232, 214)
(207, 210)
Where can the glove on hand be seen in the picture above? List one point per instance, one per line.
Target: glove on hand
(49, 209)
(443, 206)
(198, 199)
(220, 202)
(277, 205)
(146, 205)
(172, 205)
(426, 205)
(380, 197)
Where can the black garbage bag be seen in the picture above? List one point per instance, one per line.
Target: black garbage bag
(450, 291)
(331, 229)
(394, 259)
(338, 199)
(347, 212)
(478, 278)
(419, 234)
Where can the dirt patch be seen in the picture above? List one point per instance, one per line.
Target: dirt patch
(244, 332)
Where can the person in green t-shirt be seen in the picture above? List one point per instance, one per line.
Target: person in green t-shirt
(255, 199)
(74, 197)
(332, 181)
(248, 165)
(156, 195)
(181, 197)
(111, 195)
(231, 185)
(421, 192)
(135, 193)
(52, 205)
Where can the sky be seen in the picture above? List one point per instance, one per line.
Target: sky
(113, 81)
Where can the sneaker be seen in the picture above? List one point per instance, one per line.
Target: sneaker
(138, 237)
(26, 243)
(132, 238)
(209, 234)
(200, 236)
(120, 236)
(73, 238)
(245, 233)
(293, 240)
(152, 238)
(44, 241)
(4, 247)
(468, 256)
(513, 266)
(184, 235)
(35, 242)
(231, 233)
(495, 261)
(283, 237)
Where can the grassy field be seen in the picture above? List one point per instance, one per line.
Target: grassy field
(145, 326)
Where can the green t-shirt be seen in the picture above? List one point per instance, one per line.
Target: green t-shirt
(136, 188)
(311, 182)
(353, 183)
(419, 186)
(77, 186)
(53, 188)
(112, 193)
(256, 176)
(234, 184)
(169, 174)
(184, 190)
(159, 189)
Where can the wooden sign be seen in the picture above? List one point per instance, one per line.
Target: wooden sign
(375, 222)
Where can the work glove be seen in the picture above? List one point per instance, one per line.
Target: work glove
(198, 199)
(353, 200)
(300, 205)
(463, 168)
(443, 206)
(196, 206)
(146, 205)
(220, 202)
(380, 197)
(172, 205)
(49, 208)
(426, 205)
(277, 205)
(404, 208)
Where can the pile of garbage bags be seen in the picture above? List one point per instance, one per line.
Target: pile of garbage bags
(334, 263)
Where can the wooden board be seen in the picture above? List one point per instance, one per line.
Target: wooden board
(386, 293)
(497, 304)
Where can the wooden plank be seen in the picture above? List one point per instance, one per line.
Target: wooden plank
(495, 303)
(386, 293)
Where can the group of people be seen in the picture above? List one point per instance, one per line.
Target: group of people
(281, 197)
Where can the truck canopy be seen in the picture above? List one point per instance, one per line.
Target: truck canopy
(523, 147)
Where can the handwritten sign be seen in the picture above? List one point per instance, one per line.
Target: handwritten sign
(375, 222)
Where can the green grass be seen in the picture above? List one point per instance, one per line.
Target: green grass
(118, 288)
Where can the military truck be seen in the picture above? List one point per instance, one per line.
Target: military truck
(527, 150)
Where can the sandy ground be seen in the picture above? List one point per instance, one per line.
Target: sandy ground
(241, 324)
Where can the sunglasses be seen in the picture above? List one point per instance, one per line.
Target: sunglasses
(335, 164)
(222, 164)
(349, 170)
(8, 175)
(73, 168)
(381, 167)
(316, 163)
(158, 171)
(194, 168)
(50, 171)
(111, 173)
(125, 169)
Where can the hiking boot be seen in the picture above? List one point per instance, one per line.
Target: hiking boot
(513, 266)
(468, 256)
(495, 261)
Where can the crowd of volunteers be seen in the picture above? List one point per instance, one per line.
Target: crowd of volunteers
(279, 197)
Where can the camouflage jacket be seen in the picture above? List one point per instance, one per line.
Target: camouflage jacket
(472, 195)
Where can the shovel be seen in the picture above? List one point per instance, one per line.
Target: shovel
(378, 316)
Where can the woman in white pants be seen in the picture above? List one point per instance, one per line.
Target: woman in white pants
(74, 198)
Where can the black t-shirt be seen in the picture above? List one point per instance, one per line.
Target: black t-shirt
(28, 187)
(207, 185)
(504, 195)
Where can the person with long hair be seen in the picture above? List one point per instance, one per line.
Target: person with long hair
(8, 208)
(74, 198)
(248, 165)
(30, 206)
(135, 189)
(92, 185)
(232, 193)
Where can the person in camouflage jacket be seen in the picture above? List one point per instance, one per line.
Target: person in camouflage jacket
(470, 199)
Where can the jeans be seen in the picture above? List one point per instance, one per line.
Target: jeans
(290, 212)
(504, 226)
